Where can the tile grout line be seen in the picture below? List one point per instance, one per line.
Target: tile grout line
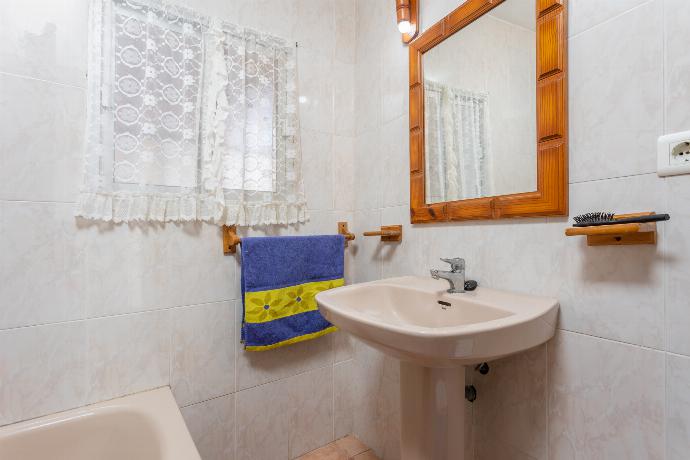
(333, 400)
(611, 19)
(171, 352)
(42, 80)
(11, 200)
(604, 179)
(664, 61)
(664, 423)
(319, 368)
(621, 342)
(664, 237)
(678, 355)
(234, 422)
(117, 315)
(548, 400)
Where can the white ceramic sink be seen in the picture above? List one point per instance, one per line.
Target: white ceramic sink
(415, 319)
(435, 335)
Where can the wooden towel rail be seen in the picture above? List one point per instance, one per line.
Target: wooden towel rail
(231, 239)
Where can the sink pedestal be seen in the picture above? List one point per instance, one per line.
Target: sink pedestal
(432, 412)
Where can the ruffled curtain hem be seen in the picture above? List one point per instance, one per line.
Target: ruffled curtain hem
(132, 207)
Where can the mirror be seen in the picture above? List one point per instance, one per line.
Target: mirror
(488, 113)
(480, 107)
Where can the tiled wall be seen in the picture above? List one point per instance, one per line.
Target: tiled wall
(93, 311)
(614, 382)
(89, 312)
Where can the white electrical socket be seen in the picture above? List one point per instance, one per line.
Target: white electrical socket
(673, 154)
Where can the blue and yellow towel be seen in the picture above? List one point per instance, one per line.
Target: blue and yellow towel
(280, 279)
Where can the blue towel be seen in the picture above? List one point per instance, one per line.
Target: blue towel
(280, 279)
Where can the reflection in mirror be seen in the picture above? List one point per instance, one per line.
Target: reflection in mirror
(480, 107)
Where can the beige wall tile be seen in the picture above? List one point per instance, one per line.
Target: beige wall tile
(43, 370)
(126, 354)
(203, 352)
(45, 40)
(212, 426)
(261, 421)
(615, 95)
(604, 399)
(310, 409)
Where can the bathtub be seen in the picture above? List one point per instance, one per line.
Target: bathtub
(144, 426)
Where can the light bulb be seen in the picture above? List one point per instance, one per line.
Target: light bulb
(404, 27)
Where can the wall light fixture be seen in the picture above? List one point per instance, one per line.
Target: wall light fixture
(407, 12)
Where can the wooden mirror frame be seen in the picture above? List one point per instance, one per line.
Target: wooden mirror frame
(551, 197)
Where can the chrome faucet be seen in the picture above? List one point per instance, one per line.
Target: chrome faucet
(456, 275)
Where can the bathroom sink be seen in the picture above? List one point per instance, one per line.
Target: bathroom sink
(414, 319)
(436, 335)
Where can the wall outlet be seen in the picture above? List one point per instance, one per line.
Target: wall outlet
(680, 153)
(673, 154)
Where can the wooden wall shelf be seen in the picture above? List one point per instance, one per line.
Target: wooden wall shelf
(617, 234)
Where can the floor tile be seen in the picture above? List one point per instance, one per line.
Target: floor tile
(327, 452)
(351, 445)
(347, 448)
(368, 455)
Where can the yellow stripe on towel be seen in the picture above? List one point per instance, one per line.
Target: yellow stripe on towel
(264, 306)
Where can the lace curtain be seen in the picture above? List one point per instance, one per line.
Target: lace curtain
(456, 143)
(189, 118)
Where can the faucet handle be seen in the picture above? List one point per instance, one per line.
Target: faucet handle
(456, 264)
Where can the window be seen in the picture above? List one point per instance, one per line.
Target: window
(154, 97)
(190, 118)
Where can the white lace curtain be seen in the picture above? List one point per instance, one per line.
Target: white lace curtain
(456, 143)
(189, 118)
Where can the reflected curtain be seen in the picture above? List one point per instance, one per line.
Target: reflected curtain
(456, 143)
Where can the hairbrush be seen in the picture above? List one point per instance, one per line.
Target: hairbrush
(592, 219)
